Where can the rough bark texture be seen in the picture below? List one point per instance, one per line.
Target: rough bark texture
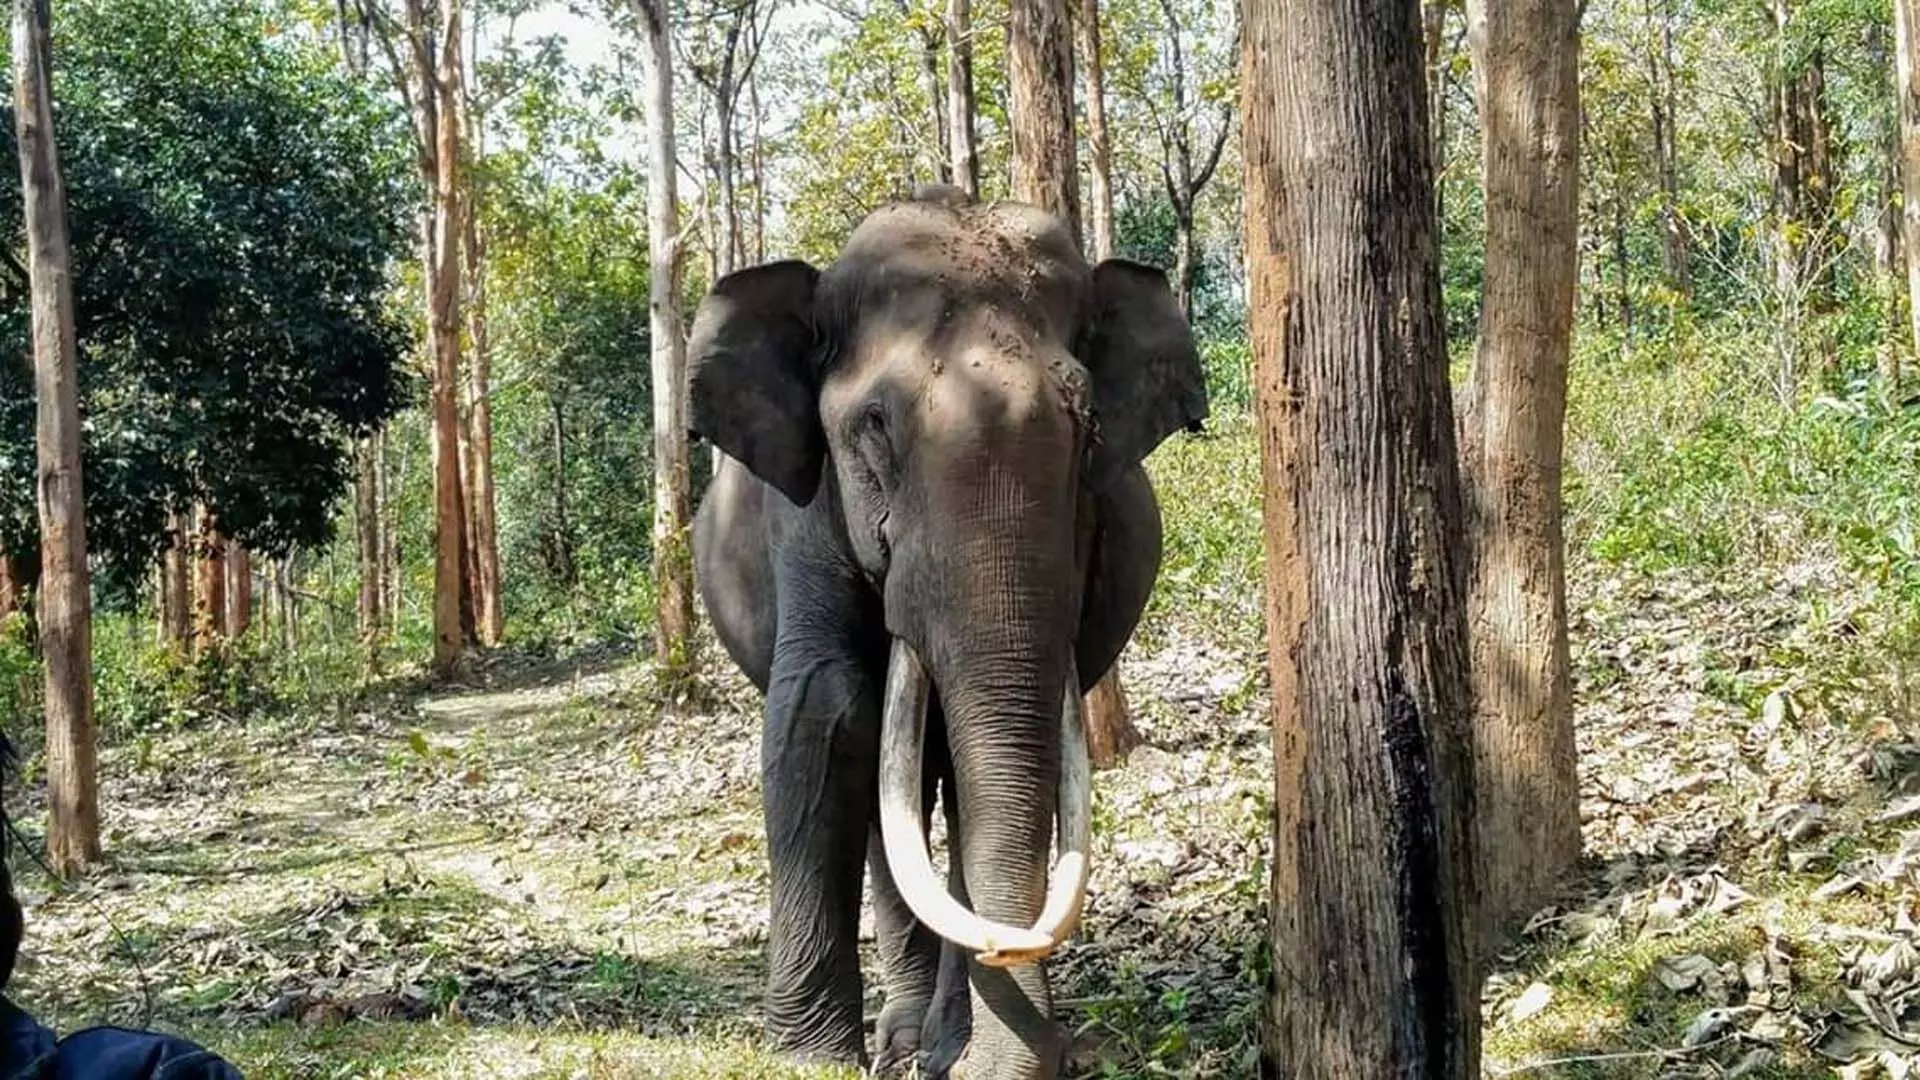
(1907, 64)
(963, 157)
(1526, 62)
(1803, 182)
(65, 607)
(1040, 104)
(1372, 865)
(672, 496)
(1100, 182)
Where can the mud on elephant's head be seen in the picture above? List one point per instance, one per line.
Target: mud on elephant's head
(962, 388)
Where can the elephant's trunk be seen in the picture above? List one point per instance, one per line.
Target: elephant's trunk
(998, 944)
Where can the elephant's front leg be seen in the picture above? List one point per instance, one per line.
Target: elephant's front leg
(818, 762)
(909, 958)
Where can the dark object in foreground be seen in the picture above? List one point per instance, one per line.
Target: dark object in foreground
(29, 1051)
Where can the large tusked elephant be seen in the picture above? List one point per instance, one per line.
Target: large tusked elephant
(932, 530)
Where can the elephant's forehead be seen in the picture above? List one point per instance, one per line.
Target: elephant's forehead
(1008, 254)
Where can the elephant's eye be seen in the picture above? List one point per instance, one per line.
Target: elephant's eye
(875, 447)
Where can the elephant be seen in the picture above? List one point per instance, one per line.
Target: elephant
(928, 534)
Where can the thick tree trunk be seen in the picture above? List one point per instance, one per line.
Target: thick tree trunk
(1907, 64)
(1526, 62)
(176, 593)
(489, 616)
(239, 567)
(1040, 101)
(1100, 183)
(963, 157)
(452, 605)
(366, 513)
(936, 103)
(1372, 861)
(65, 612)
(672, 497)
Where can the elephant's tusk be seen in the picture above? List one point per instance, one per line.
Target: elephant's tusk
(903, 731)
(902, 739)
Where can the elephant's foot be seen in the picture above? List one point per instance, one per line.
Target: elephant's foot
(820, 1043)
(949, 1016)
(896, 1035)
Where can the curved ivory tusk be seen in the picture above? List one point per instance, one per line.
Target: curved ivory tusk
(1074, 813)
(903, 729)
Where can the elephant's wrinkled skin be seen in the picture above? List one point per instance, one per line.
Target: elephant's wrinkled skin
(937, 441)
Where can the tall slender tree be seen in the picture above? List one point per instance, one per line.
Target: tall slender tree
(1372, 863)
(483, 530)
(672, 489)
(65, 608)
(11, 587)
(1099, 147)
(1906, 16)
(962, 153)
(1526, 64)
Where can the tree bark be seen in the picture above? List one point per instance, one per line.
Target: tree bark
(936, 101)
(366, 512)
(239, 598)
(963, 156)
(1433, 35)
(1040, 104)
(9, 588)
(1526, 64)
(209, 585)
(439, 79)
(176, 594)
(1100, 184)
(672, 497)
(1676, 257)
(1372, 863)
(489, 616)
(1907, 65)
(65, 612)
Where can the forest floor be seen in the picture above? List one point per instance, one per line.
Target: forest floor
(555, 870)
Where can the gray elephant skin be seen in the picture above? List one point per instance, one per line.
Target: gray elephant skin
(932, 478)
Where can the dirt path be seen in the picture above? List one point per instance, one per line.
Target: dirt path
(557, 876)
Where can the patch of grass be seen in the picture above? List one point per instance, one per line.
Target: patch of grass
(1210, 580)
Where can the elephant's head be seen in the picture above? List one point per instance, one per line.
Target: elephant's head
(961, 384)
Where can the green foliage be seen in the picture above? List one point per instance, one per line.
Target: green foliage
(20, 684)
(236, 207)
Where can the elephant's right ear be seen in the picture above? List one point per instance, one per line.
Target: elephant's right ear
(752, 389)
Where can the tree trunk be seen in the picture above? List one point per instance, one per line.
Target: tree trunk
(1526, 63)
(672, 498)
(9, 588)
(176, 594)
(1372, 860)
(490, 617)
(759, 172)
(1040, 104)
(1433, 36)
(289, 603)
(1100, 184)
(452, 604)
(209, 585)
(65, 615)
(962, 153)
(392, 573)
(561, 565)
(1623, 268)
(936, 102)
(726, 250)
(1183, 258)
(239, 567)
(1040, 71)
(366, 513)
(1907, 64)
(1676, 259)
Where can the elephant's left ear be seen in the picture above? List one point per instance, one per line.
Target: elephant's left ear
(1139, 351)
